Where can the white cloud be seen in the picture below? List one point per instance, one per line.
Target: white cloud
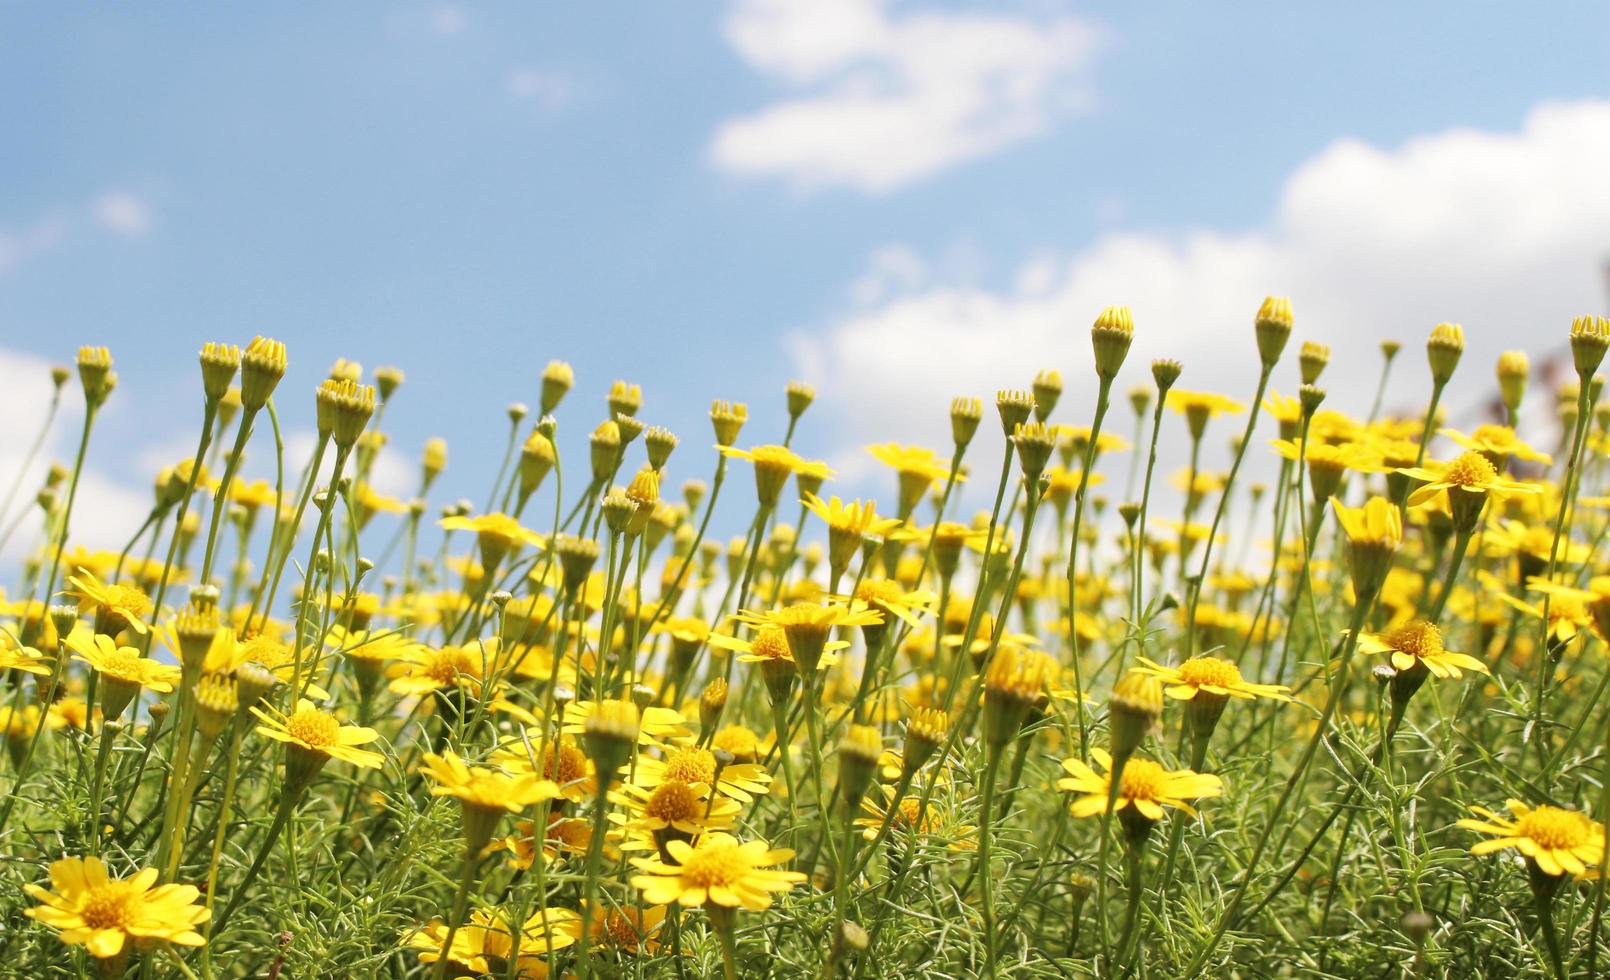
(878, 100)
(1503, 232)
(123, 213)
(548, 89)
(447, 19)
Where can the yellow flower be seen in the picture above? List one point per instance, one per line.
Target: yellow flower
(319, 732)
(672, 807)
(1558, 840)
(1145, 786)
(123, 606)
(1375, 523)
(889, 598)
(806, 627)
(773, 466)
(487, 789)
(421, 670)
(740, 780)
(1471, 473)
(1184, 402)
(1569, 611)
(1419, 643)
(101, 913)
(1210, 675)
(124, 664)
(486, 942)
(565, 764)
(627, 928)
(914, 461)
(910, 816)
(654, 723)
(853, 518)
(1497, 443)
(1335, 458)
(720, 871)
(26, 659)
(497, 534)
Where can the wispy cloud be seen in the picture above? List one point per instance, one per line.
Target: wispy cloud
(448, 19)
(120, 212)
(879, 100)
(544, 87)
(123, 213)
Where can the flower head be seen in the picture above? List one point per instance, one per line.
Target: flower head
(1558, 840)
(1144, 786)
(719, 871)
(1419, 644)
(89, 908)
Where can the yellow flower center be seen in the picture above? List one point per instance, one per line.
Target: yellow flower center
(1209, 671)
(690, 766)
(123, 664)
(125, 600)
(674, 803)
(1470, 470)
(1416, 640)
(313, 727)
(715, 864)
(770, 643)
(446, 665)
(266, 651)
(909, 812)
(108, 906)
(1556, 829)
(569, 766)
(879, 593)
(740, 741)
(1567, 608)
(1142, 780)
(617, 930)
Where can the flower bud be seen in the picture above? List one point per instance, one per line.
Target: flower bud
(728, 419)
(625, 399)
(610, 733)
(1132, 711)
(1513, 369)
(1047, 390)
(925, 730)
(219, 362)
(1273, 328)
(965, 414)
(1311, 361)
(712, 703)
(95, 374)
(262, 365)
(800, 395)
(1111, 336)
(1443, 349)
(1164, 373)
(858, 762)
(557, 380)
(1590, 336)
(1014, 407)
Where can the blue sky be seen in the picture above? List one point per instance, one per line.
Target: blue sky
(712, 198)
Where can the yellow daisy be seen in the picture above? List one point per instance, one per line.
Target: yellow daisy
(89, 908)
(1557, 840)
(1144, 786)
(719, 871)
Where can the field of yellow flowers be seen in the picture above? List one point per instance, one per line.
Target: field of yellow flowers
(1346, 722)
